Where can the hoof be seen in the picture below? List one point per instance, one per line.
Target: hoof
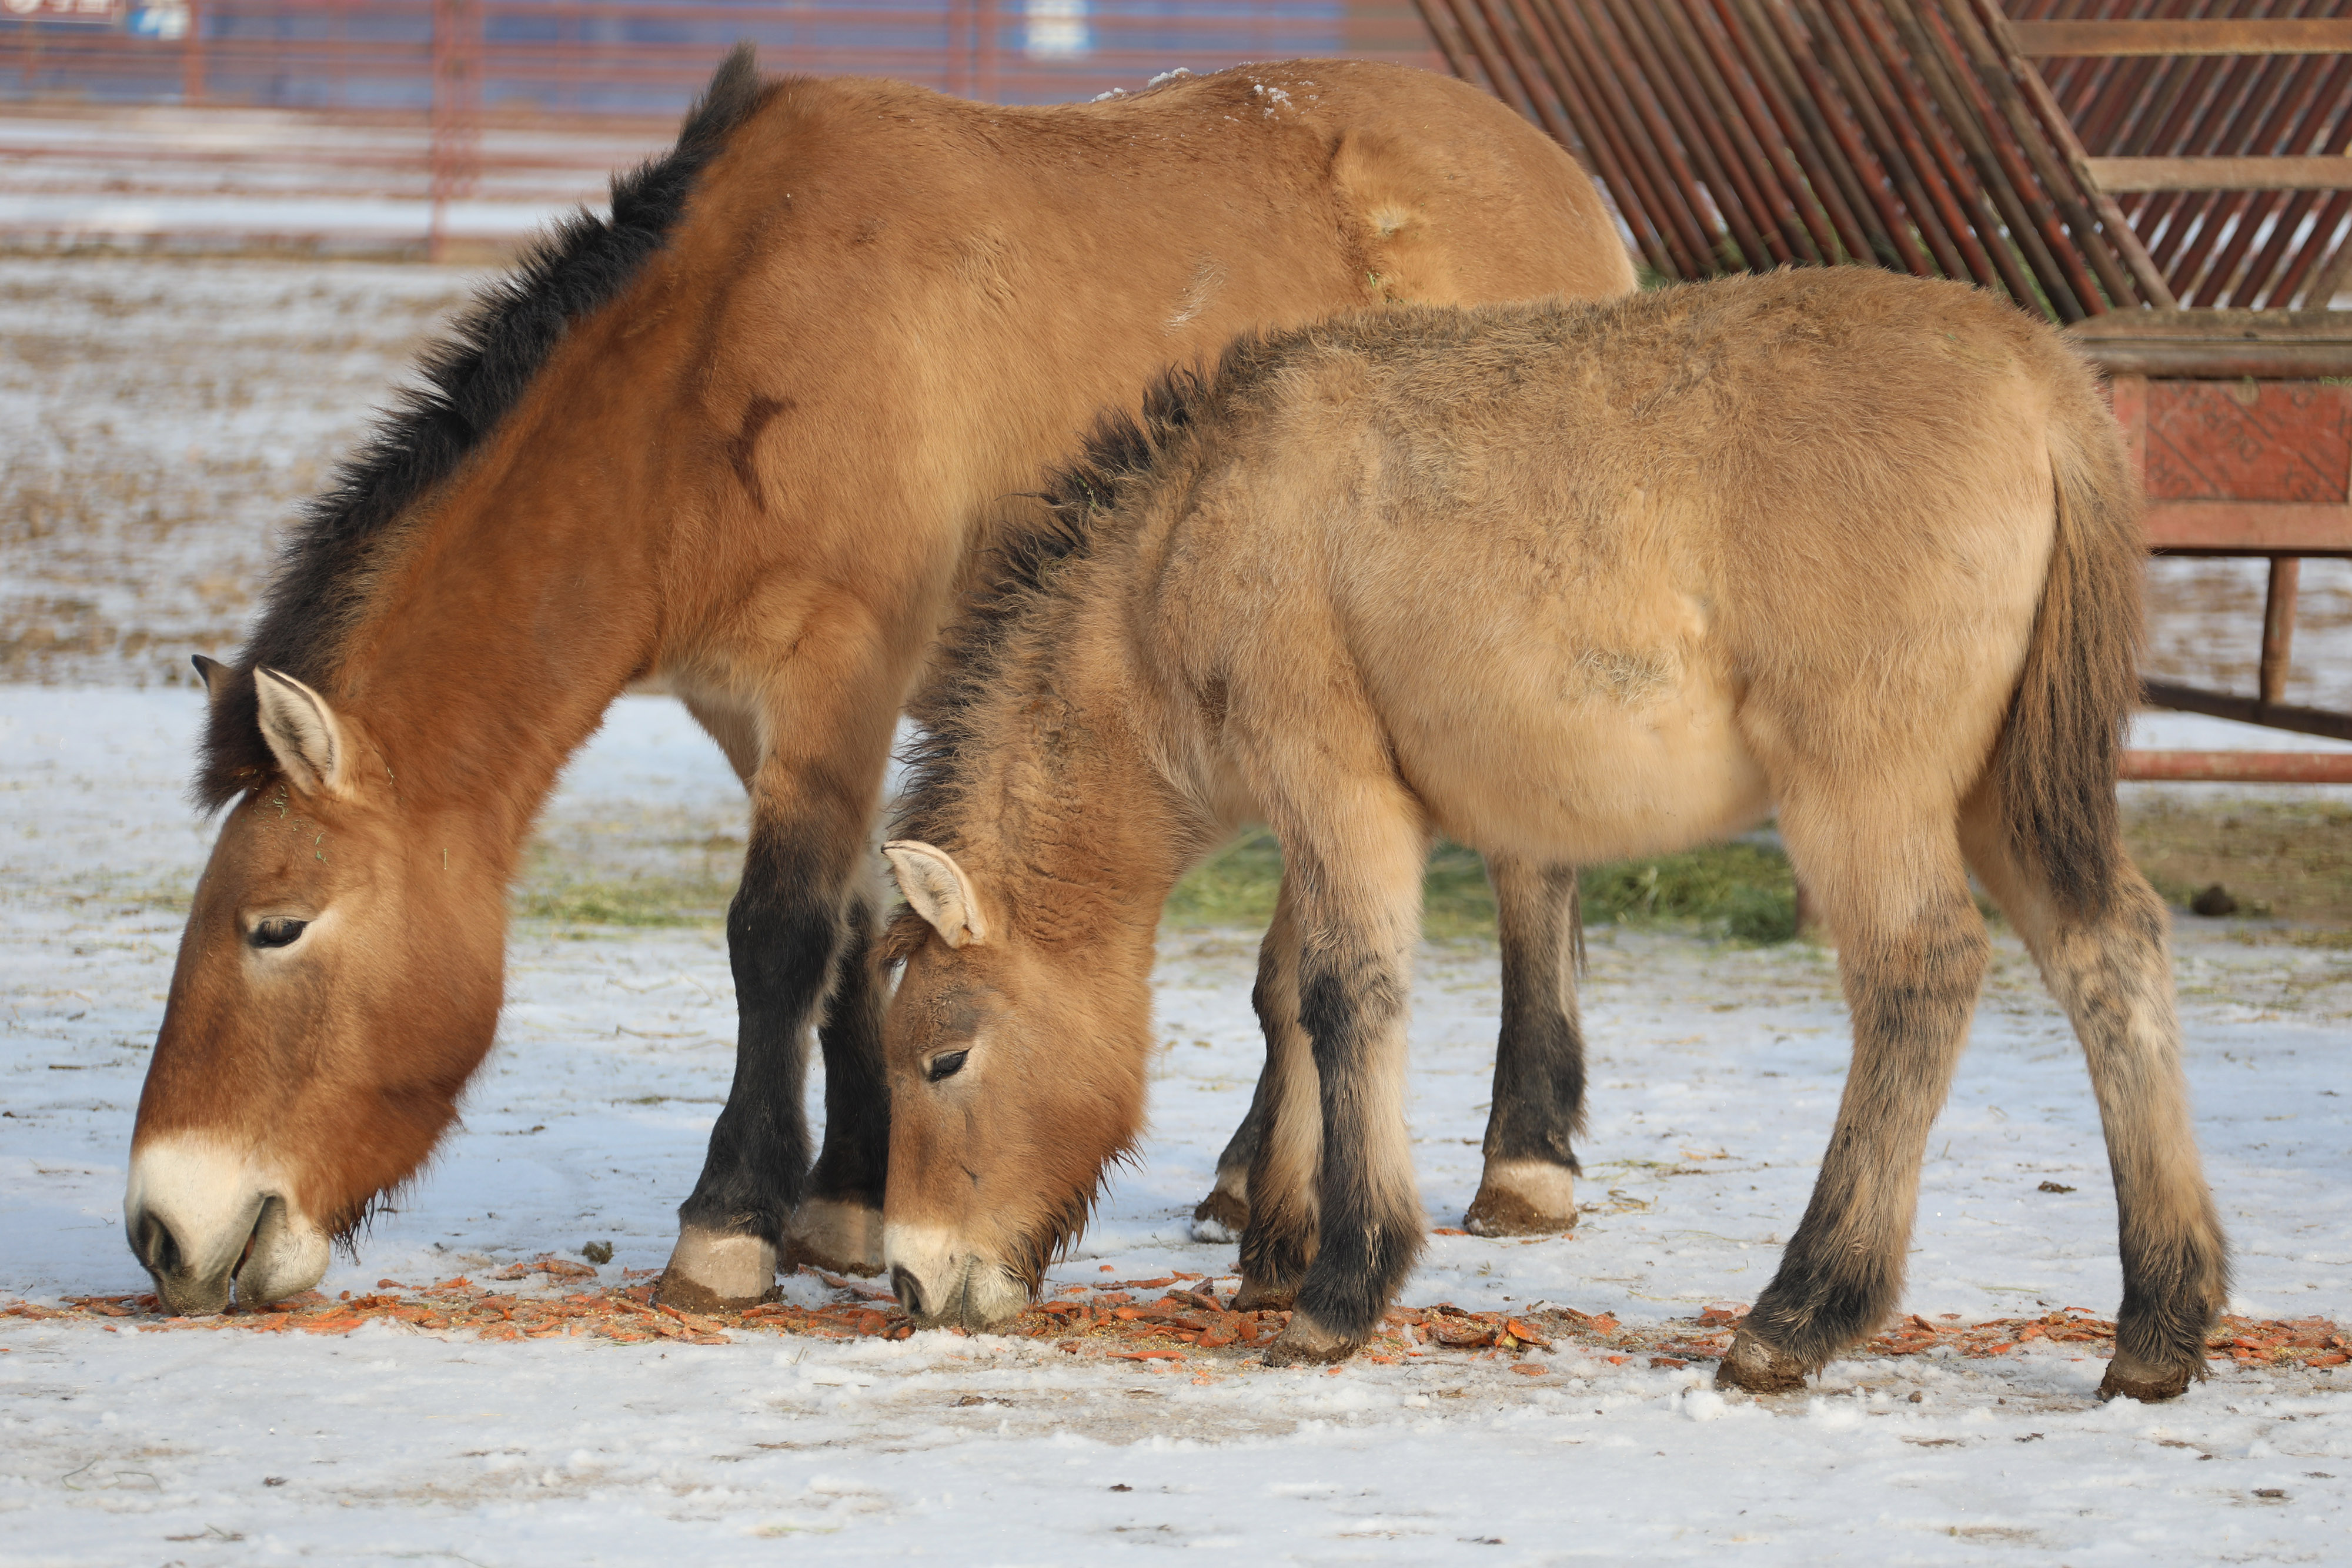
(1307, 1342)
(838, 1235)
(1759, 1368)
(1221, 1217)
(1523, 1198)
(1254, 1296)
(2129, 1377)
(709, 1272)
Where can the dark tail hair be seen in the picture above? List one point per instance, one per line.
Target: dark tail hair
(2061, 748)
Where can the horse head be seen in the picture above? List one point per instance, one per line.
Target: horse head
(338, 980)
(1013, 1085)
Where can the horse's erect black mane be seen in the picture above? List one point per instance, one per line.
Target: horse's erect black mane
(471, 380)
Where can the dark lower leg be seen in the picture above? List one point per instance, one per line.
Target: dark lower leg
(1529, 1187)
(784, 937)
(1369, 1220)
(1911, 992)
(1223, 1214)
(1279, 1239)
(838, 1225)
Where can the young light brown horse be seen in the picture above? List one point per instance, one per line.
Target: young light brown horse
(1574, 583)
(733, 442)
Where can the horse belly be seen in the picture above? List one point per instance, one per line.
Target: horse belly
(1610, 754)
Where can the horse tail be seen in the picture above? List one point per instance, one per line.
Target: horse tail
(2061, 748)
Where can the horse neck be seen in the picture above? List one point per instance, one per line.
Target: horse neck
(517, 610)
(1069, 816)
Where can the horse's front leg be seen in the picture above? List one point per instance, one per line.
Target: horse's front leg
(838, 1224)
(1223, 1214)
(1359, 915)
(1285, 1128)
(1530, 1184)
(797, 939)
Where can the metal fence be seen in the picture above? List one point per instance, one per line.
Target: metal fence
(397, 122)
(636, 57)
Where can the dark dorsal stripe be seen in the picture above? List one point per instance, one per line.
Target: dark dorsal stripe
(470, 382)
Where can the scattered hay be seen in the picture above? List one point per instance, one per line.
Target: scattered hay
(1111, 1322)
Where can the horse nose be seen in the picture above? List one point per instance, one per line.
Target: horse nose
(904, 1287)
(153, 1244)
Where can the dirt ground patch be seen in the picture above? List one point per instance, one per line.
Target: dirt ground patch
(2290, 859)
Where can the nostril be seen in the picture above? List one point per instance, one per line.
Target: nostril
(270, 1207)
(156, 1246)
(909, 1294)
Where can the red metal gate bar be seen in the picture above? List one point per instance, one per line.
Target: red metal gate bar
(2239, 766)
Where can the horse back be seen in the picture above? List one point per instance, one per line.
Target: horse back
(887, 310)
(1613, 574)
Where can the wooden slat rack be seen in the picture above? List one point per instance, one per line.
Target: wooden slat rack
(2176, 193)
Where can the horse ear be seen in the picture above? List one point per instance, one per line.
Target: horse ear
(213, 674)
(303, 733)
(936, 888)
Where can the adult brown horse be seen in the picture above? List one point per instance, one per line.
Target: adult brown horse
(1571, 581)
(734, 442)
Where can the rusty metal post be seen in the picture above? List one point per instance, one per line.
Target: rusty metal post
(2263, 275)
(192, 56)
(954, 84)
(2278, 627)
(454, 150)
(1842, 173)
(1906, 165)
(1774, 157)
(984, 27)
(1545, 106)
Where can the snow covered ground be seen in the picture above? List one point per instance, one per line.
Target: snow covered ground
(1717, 1072)
(165, 416)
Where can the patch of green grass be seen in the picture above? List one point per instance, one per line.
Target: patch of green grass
(639, 901)
(1744, 890)
(1456, 900)
(1747, 887)
(1236, 886)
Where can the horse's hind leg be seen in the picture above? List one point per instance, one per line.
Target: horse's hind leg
(1530, 1186)
(1912, 953)
(2110, 970)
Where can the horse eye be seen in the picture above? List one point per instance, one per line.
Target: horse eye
(276, 932)
(946, 1065)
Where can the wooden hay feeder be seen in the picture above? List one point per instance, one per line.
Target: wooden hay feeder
(2175, 192)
